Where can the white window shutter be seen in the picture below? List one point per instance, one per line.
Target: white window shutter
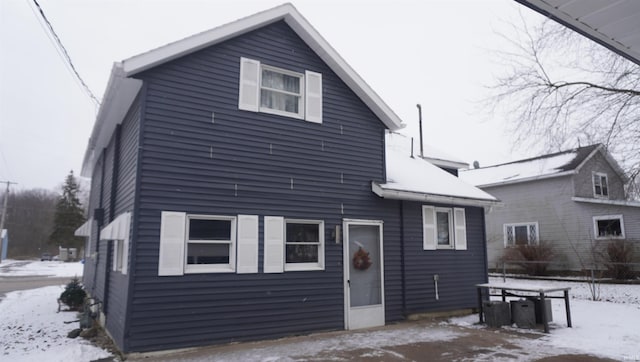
(249, 97)
(114, 255)
(313, 97)
(172, 237)
(428, 228)
(273, 244)
(247, 244)
(460, 222)
(125, 242)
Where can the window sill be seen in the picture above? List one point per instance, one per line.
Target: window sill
(192, 269)
(302, 267)
(281, 113)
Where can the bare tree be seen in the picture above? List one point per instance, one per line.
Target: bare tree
(30, 221)
(562, 90)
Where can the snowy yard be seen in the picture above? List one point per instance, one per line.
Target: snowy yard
(32, 330)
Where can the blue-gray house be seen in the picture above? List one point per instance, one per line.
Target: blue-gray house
(242, 188)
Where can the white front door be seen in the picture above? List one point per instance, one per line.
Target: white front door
(364, 274)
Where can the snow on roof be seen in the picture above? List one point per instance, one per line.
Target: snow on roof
(418, 179)
(552, 165)
(433, 154)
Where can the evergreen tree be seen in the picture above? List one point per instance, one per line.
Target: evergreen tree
(69, 216)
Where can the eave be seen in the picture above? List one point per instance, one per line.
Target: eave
(393, 194)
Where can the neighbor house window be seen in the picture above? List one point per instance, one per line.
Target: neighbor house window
(600, 185)
(210, 244)
(268, 89)
(521, 234)
(608, 227)
(304, 244)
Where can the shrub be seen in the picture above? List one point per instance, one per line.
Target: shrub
(73, 294)
(534, 259)
(617, 257)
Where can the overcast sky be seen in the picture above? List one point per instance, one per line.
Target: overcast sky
(440, 54)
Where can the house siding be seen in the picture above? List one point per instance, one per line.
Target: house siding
(458, 270)
(201, 155)
(583, 181)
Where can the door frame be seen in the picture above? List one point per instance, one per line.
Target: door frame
(347, 262)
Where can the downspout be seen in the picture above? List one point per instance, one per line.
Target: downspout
(112, 206)
(402, 263)
(100, 221)
(484, 247)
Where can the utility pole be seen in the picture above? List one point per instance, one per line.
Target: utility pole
(4, 213)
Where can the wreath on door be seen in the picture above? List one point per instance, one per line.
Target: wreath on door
(361, 259)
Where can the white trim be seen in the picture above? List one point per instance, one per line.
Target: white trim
(507, 225)
(449, 212)
(459, 228)
(321, 246)
(313, 96)
(211, 268)
(392, 194)
(607, 201)
(273, 261)
(429, 237)
(600, 175)
(247, 244)
(346, 262)
(172, 243)
(596, 233)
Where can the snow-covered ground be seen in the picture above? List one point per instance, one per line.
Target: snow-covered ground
(10, 267)
(32, 330)
(607, 328)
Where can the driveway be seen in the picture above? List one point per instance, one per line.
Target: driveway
(13, 283)
(407, 341)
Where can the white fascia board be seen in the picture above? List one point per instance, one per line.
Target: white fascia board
(303, 29)
(447, 163)
(430, 198)
(118, 97)
(528, 179)
(607, 202)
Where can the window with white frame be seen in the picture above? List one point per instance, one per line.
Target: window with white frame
(118, 255)
(609, 227)
(304, 244)
(600, 185)
(444, 228)
(521, 234)
(265, 88)
(210, 244)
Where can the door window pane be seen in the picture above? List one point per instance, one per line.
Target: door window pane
(365, 287)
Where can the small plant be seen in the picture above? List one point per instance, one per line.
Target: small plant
(617, 258)
(534, 259)
(73, 294)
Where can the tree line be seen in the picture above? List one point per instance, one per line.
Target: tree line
(40, 220)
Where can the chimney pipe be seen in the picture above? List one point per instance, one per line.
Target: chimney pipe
(420, 123)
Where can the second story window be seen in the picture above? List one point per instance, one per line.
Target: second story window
(600, 185)
(264, 88)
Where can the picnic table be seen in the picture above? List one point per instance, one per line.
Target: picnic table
(510, 289)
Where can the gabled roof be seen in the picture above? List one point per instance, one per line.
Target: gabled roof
(416, 179)
(122, 89)
(551, 165)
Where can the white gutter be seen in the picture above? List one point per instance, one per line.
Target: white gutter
(607, 202)
(431, 198)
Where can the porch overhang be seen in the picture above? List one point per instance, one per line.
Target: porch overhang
(395, 194)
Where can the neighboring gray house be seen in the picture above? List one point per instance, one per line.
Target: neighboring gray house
(574, 199)
(241, 189)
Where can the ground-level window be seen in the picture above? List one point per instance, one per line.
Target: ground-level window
(444, 228)
(304, 244)
(608, 227)
(210, 243)
(521, 234)
(600, 185)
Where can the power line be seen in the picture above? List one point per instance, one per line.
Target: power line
(65, 54)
